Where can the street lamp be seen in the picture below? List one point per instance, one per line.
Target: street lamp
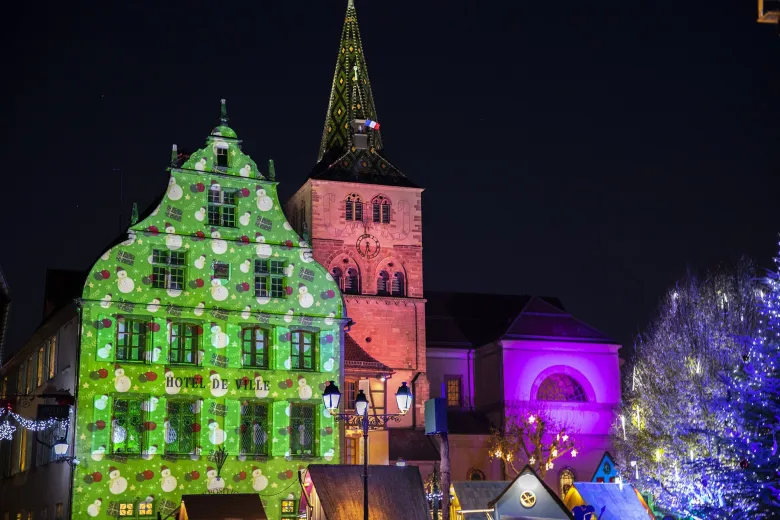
(361, 418)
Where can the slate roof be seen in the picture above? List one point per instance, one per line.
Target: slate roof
(622, 500)
(471, 320)
(357, 359)
(477, 494)
(411, 445)
(395, 492)
(528, 470)
(246, 506)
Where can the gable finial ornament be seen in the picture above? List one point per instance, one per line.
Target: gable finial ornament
(223, 117)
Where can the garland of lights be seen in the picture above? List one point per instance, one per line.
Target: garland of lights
(7, 429)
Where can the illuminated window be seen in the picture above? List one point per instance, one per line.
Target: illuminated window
(350, 394)
(40, 366)
(453, 388)
(376, 394)
(222, 207)
(302, 346)
(383, 284)
(303, 425)
(21, 379)
(352, 450)
(30, 374)
(145, 509)
(30, 514)
(565, 481)
(269, 279)
(254, 428)
(168, 269)
(132, 336)
(59, 511)
(397, 286)
(254, 346)
(51, 356)
(288, 508)
(181, 436)
(351, 282)
(475, 474)
(560, 387)
(353, 208)
(4, 389)
(222, 157)
(126, 509)
(380, 209)
(23, 450)
(127, 426)
(185, 340)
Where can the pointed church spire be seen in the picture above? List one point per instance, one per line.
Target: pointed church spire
(350, 95)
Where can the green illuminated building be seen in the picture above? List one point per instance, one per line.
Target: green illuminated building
(210, 326)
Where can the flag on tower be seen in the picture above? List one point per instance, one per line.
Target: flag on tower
(372, 124)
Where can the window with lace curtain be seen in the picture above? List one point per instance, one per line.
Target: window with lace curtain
(254, 428)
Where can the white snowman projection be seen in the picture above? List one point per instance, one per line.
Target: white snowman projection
(213, 482)
(94, 508)
(200, 262)
(105, 301)
(246, 171)
(98, 454)
(260, 391)
(218, 245)
(306, 255)
(150, 405)
(104, 352)
(288, 316)
(198, 310)
(117, 484)
(245, 266)
(329, 365)
(130, 239)
(218, 291)
(329, 318)
(200, 215)
(216, 385)
(329, 454)
(171, 389)
(124, 282)
(218, 338)
(259, 481)
(105, 256)
(305, 299)
(153, 355)
(122, 383)
(167, 481)
(101, 402)
(262, 249)
(264, 202)
(246, 313)
(304, 390)
(172, 240)
(174, 190)
(287, 226)
(154, 305)
(201, 164)
(149, 453)
(216, 434)
(244, 219)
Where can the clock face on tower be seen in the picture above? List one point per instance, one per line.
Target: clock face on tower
(368, 246)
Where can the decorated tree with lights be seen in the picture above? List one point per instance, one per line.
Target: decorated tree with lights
(754, 405)
(533, 435)
(673, 436)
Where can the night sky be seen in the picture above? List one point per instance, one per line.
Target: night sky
(587, 150)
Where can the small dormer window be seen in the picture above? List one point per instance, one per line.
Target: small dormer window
(359, 136)
(222, 157)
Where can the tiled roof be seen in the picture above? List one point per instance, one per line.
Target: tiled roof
(621, 500)
(477, 494)
(355, 358)
(411, 445)
(395, 492)
(540, 319)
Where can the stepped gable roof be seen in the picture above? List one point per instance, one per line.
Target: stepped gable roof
(339, 488)
(351, 98)
(357, 359)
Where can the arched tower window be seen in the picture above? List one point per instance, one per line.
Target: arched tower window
(561, 387)
(565, 481)
(383, 283)
(352, 281)
(353, 208)
(398, 285)
(380, 210)
(338, 276)
(475, 474)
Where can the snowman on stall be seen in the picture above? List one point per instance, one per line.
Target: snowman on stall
(117, 484)
(94, 508)
(259, 481)
(168, 482)
(214, 483)
(121, 381)
(125, 283)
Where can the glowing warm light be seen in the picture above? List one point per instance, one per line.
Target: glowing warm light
(531, 419)
(574, 452)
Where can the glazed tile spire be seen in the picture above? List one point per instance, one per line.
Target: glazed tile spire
(350, 95)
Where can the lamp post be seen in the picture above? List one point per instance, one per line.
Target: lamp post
(332, 397)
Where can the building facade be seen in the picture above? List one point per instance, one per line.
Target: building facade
(33, 485)
(365, 220)
(210, 328)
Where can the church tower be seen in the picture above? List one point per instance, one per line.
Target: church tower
(364, 217)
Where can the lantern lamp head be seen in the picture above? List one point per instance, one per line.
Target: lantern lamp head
(404, 398)
(361, 404)
(61, 447)
(331, 396)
